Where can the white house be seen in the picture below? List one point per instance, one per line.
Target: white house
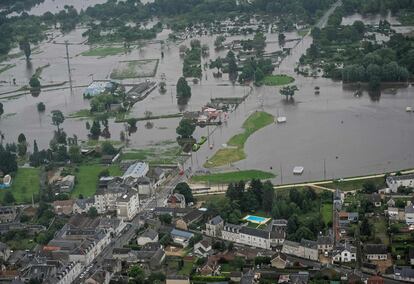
(214, 227)
(230, 232)
(149, 236)
(394, 182)
(70, 273)
(203, 248)
(127, 205)
(345, 253)
(310, 249)
(409, 214)
(293, 248)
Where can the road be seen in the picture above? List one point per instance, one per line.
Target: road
(129, 232)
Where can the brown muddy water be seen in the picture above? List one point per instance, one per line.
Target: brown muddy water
(353, 135)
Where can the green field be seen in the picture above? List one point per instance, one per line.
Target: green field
(87, 179)
(186, 269)
(303, 32)
(233, 176)
(103, 51)
(355, 184)
(277, 80)
(252, 124)
(326, 210)
(25, 184)
(164, 153)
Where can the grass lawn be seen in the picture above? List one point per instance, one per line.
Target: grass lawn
(103, 51)
(252, 124)
(233, 176)
(355, 184)
(25, 184)
(277, 80)
(206, 198)
(186, 269)
(380, 229)
(162, 154)
(25, 244)
(326, 210)
(87, 178)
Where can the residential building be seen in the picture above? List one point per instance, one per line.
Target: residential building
(106, 197)
(338, 199)
(7, 214)
(4, 251)
(404, 273)
(392, 212)
(127, 205)
(394, 182)
(376, 252)
(150, 257)
(136, 170)
(310, 249)
(325, 243)
(63, 207)
(203, 248)
(51, 271)
(279, 261)
(176, 200)
(293, 248)
(409, 214)
(181, 237)
(149, 236)
(83, 205)
(157, 176)
(65, 184)
(191, 217)
(344, 253)
(375, 199)
(214, 227)
(231, 232)
(391, 202)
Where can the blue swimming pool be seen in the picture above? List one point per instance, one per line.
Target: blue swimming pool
(255, 219)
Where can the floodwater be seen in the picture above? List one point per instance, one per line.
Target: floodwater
(351, 135)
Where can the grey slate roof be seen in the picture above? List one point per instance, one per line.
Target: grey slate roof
(309, 244)
(151, 234)
(254, 232)
(375, 249)
(216, 220)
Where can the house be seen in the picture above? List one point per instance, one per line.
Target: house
(203, 248)
(177, 279)
(63, 207)
(301, 277)
(112, 265)
(230, 232)
(353, 217)
(127, 205)
(108, 159)
(411, 255)
(248, 278)
(66, 184)
(376, 252)
(310, 249)
(392, 213)
(136, 170)
(394, 182)
(149, 236)
(99, 277)
(150, 257)
(214, 227)
(235, 276)
(176, 200)
(325, 243)
(404, 273)
(292, 248)
(344, 253)
(375, 199)
(7, 214)
(4, 252)
(409, 214)
(83, 205)
(181, 237)
(375, 280)
(338, 199)
(279, 261)
(191, 217)
(106, 197)
(254, 237)
(391, 202)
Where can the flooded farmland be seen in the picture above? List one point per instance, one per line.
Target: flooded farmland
(350, 135)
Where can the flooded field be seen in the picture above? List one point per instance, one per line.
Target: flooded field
(351, 135)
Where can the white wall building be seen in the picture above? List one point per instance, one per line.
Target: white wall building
(127, 205)
(394, 182)
(409, 214)
(345, 253)
(136, 170)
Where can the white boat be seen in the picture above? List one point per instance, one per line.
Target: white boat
(281, 119)
(298, 170)
(408, 109)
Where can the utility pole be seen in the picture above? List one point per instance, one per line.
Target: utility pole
(324, 169)
(69, 72)
(281, 174)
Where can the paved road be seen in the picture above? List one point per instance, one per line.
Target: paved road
(128, 233)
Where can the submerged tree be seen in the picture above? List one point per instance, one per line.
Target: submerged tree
(183, 89)
(288, 91)
(24, 46)
(57, 118)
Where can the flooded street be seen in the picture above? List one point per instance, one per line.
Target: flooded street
(353, 135)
